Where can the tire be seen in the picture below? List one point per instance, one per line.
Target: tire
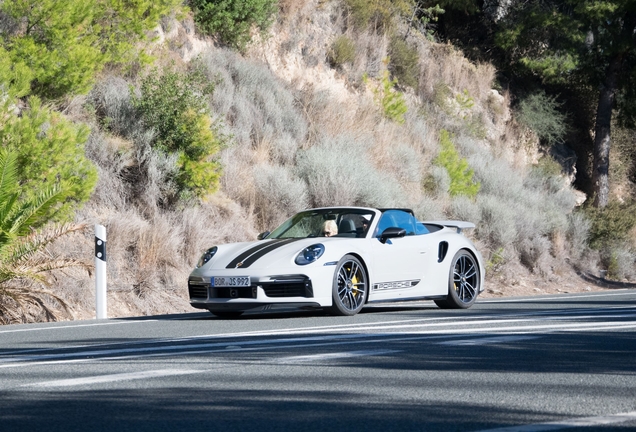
(350, 287)
(464, 282)
(227, 314)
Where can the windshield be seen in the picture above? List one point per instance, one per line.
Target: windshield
(326, 223)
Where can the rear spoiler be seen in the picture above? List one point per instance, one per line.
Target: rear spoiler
(458, 225)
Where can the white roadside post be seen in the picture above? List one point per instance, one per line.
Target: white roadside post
(100, 272)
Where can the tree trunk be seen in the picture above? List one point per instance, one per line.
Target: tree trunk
(602, 133)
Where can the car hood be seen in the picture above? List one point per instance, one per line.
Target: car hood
(262, 253)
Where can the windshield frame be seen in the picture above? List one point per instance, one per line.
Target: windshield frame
(327, 213)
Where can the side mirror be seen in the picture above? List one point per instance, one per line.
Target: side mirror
(263, 235)
(392, 232)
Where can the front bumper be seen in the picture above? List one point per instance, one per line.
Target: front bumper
(277, 287)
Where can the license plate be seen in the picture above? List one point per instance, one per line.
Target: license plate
(234, 281)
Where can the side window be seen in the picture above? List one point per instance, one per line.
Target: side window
(398, 219)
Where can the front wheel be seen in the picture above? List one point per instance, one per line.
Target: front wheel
(464, 282)
(350, 287)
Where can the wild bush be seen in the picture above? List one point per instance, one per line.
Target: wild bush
(255, 104)
(392, 101)
(464, 208)
(341, 52)
(404, 62)
(338, 172)
(612, 224)
(542, 114)
(23, 263)
(232, 20)
(377, 14)
(111, 100)
(67, 43)
(620, 262)
(533, 253)
(50, 151)
(174, 105)
(461, 175)
(437, 181)
(428, 208)
(497, 227)
(278, 195)
(578, 233)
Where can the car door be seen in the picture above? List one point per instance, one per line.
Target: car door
(399, 264)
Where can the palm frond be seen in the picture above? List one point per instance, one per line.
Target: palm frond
(8, 174)
(24, 264)
(17, 304)
(20, 220)
(23, 249)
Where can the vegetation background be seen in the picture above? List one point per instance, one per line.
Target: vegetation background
(182, 125)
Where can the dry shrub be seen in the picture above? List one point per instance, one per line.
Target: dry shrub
(278, 195)
(397, 152)
(443, 63)
(149, 257)
(338, 172)
(429, 209)
(255, 103)
(534, 253)
(371, 53)
(288, 8)
(329, 116)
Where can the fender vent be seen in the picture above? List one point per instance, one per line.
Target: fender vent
(441, 252)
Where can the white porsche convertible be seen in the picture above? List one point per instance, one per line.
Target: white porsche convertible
(340, 258)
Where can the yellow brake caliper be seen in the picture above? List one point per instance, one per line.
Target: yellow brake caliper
(354, 288)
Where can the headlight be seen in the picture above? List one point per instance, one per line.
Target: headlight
(207, 256)
(310, 254)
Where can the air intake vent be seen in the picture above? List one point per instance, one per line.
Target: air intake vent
(442, 251)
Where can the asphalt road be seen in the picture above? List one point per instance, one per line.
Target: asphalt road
(520, 364)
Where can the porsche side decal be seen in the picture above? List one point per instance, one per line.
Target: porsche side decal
(395, 285)
(248, 257)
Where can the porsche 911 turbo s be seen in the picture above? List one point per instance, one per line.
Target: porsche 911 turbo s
(339, 259)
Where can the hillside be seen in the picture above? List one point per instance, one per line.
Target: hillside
(315, 111)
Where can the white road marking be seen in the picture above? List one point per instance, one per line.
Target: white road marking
(334, 356)
(566, 296)
(569, 423)
(107, 323)
(488, 340)
(100, 379)
(413, 334)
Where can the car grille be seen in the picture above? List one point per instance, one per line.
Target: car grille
(298, 286)
(198, 291)
(283, 287)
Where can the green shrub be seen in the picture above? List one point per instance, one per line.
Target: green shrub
(441, 95)
(611, 225)
(540, 113)
(50, 152)
(461, 176)
(342, 51)
(232, 20)
(377, 14)
(392, 101)
(174, 105)
(67, 43)
(404, 62)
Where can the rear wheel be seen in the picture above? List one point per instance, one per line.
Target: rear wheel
(350, 287)
(463, 282)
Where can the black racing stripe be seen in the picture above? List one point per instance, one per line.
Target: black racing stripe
(249, 252)
(249, 261)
